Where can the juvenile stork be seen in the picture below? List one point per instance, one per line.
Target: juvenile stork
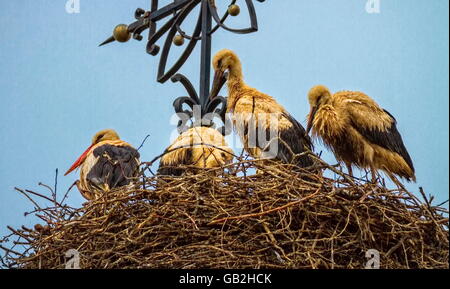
(198, 148)
(359, 132)
(108, 163)
(266, 129)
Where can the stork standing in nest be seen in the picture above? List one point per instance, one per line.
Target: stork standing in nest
(359, 132)
(196, 148)
(108, 163)
(266, 129)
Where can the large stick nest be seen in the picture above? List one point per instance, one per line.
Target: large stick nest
(279, 218)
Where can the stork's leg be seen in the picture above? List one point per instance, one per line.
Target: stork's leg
(396, 181)
(349, 169)
(77, 183)
(264, 165)
(374, 175)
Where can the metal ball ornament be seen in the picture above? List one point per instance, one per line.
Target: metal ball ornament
(121, 33)
(178, 40)
(234, 10)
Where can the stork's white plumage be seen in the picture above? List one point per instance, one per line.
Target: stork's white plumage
(108, 163)
(359, 132)
(196, 148)
(266, 129)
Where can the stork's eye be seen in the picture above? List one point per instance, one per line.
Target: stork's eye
(319, 99)
(225, 156)
(99, 137)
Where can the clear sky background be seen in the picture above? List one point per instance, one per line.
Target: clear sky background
(58, 88)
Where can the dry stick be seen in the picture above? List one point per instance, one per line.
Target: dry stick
(441, 204)
(150, 163)
(142, 144)
(28, 197)
(428, 207)
(348, 179)
(402, 187)
(57, 204)
(192, 145)
(67, 192)
(46, 186)
(31, 200)
(241, 239)
(11, 251)
(18, 233)
(240, 163)
(273, 240)
(42, 196)
(266, 212)
(56, 183)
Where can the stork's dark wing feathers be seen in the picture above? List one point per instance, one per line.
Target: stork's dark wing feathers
(116, 165)
(294, 140)
(289, 140)
(389, 139)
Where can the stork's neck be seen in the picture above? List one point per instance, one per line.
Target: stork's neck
(235, 70)
(234, 83)
(235, 78)
(235, 86)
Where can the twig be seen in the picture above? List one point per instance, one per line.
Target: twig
(266, 212)
(142, 144)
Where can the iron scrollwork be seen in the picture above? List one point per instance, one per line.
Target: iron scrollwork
(176, 12)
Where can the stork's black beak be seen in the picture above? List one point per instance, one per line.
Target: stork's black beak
(220, 78)
(312, 115)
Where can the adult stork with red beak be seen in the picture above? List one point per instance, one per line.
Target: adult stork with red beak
(108, 163)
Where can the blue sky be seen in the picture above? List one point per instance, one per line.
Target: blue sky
(58, 87)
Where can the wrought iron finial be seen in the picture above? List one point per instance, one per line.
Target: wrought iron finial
(175, 13)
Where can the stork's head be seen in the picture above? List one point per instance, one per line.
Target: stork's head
(219, 157)
(225, 60)
(103, 135)
(225, 63)
(317, 96)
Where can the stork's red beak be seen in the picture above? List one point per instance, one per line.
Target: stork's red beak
(312, 114)
(79, 161)
(220, 78)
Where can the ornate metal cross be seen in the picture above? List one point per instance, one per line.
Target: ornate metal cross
(177, 11)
